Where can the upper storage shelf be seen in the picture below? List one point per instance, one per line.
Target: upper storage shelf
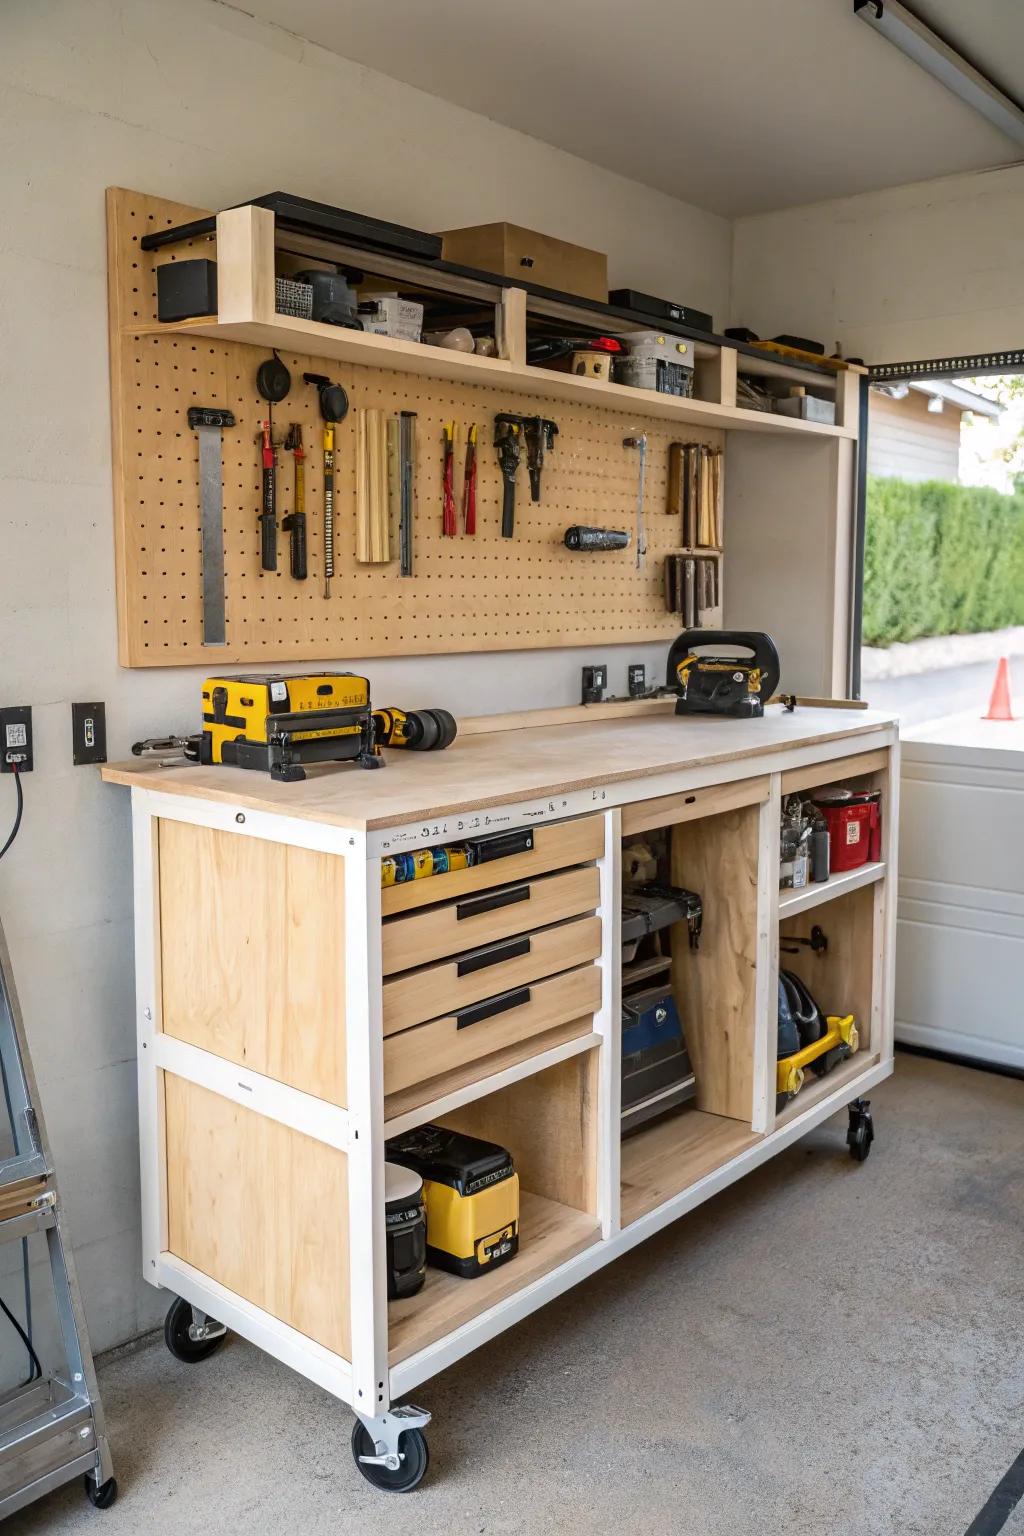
(246, 253)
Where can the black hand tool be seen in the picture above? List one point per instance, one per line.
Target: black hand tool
(508, 441)
(295, 523)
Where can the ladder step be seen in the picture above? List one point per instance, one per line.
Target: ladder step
(23, 1195)
(41, 1431)
(27, 1165)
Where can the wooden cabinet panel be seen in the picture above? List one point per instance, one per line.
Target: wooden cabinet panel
(429, 1050)
(261, 1209)
(438, 989)
(252, 954)
(455, 925)
(554, 847)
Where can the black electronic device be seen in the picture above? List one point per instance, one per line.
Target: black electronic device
(185, 290)
(660, 309)
(727, 682)
(334, 299)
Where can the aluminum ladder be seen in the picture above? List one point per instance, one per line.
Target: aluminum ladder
(51, 1428)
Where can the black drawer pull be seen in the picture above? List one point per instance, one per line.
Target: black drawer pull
(494, 954)
(492, 1006)
(491, 901)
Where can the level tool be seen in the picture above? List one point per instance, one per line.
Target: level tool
(208, 423)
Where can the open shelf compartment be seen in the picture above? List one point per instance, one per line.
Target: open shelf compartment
(549, 1124)
(714, 986)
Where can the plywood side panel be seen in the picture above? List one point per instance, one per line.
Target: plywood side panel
(844, 978)
(466, 594)
(252, 954)
(261, 1209)
(549, 1124)
(715, 985)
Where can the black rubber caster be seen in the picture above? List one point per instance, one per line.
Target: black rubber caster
(412, 1447)
(861, 1132)
(178, 1340)
(102, 1496)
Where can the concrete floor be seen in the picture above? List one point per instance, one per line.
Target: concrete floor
(823, 1350)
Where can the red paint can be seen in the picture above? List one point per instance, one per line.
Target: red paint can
(854, 824)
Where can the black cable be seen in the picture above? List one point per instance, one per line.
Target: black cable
(25, 1336)
(37, 1369)
(17, 815)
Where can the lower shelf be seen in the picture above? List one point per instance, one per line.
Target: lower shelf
(668, 1157)
(817, 1088)
(549, 1235)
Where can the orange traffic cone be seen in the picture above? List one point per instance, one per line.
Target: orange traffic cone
(1000, 705)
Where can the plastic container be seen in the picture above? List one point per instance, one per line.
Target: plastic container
(854, 821)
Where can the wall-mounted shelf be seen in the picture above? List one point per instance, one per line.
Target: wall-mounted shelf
(290, 334)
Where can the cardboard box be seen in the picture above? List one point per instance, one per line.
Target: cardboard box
(533, 257)
(386, 314)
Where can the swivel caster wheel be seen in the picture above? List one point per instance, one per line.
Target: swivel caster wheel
(390, 1456)
(189, 1334)
(861, 1132)
(100, 1495)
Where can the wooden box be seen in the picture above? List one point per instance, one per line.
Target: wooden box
(536, 258)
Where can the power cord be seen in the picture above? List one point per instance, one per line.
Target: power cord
(18, 813)
(25, 1334)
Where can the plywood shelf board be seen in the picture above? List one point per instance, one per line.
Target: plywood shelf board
(791, 902)
(550, 1234)
(667, 1157)
(817, 1088)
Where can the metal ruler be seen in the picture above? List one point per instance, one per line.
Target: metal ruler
(209, 422)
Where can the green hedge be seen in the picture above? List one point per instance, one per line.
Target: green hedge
(941, 559)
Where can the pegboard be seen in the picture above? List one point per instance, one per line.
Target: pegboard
(479, 593)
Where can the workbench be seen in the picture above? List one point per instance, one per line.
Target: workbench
(292, 1014)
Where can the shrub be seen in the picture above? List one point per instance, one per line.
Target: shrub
(941, 559)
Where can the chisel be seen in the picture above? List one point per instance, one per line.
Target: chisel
(208, 422)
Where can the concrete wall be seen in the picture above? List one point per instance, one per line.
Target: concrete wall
(193, 101)
(909, 441)
(922, 271)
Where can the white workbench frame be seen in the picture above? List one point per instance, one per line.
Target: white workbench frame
(366, 1382)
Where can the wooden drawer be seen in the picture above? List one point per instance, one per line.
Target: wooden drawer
(554, 847)
(480, 973)
(458, 925)
(813, 775)
(428, 1050)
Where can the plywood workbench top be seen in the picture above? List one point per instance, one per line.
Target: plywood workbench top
(490, 768)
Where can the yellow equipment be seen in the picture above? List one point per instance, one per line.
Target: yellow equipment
(471, 1190)
(839, 1041)
(276, 723)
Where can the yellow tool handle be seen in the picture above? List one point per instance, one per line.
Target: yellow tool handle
(789, 1072)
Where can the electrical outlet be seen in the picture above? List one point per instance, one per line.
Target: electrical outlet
(16, 739)
(595, 684)
(636, 676)
(88, 733)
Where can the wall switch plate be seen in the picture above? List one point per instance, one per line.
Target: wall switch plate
(88, 733)
(16, 739)
(636, 676)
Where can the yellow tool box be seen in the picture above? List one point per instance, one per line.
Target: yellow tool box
(276, 723)
(471, 1191)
